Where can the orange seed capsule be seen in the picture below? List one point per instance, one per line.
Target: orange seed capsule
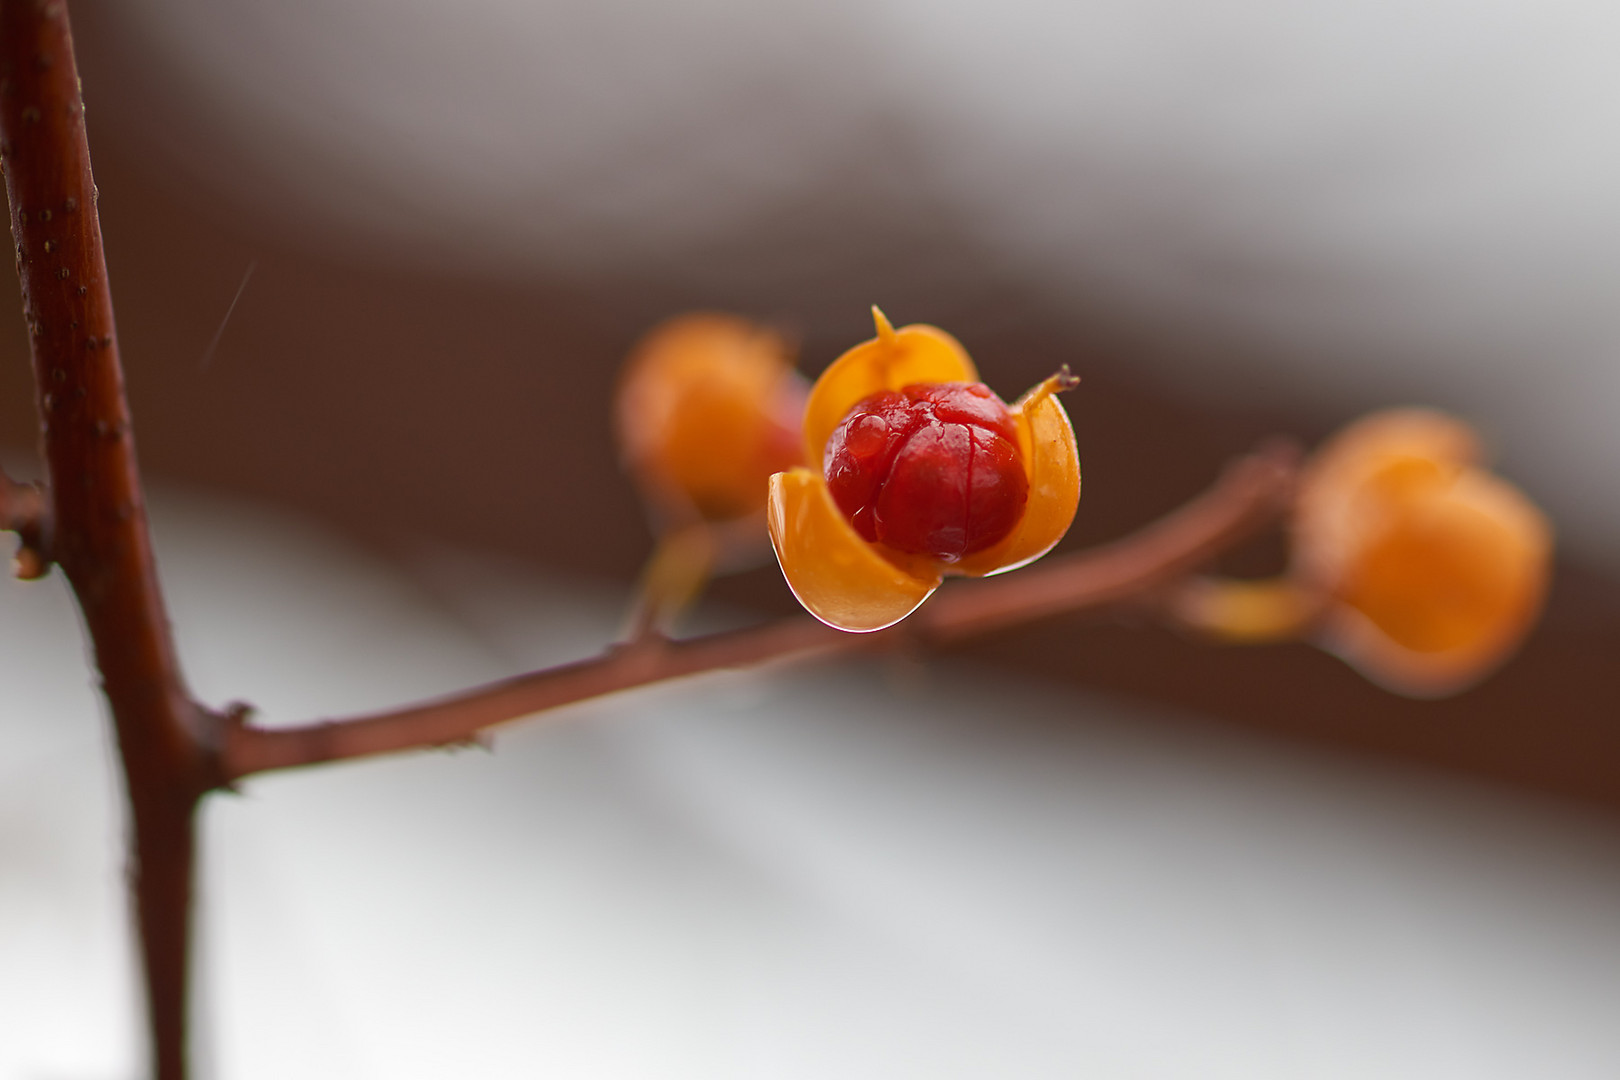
(918, 471)
(709, 406)
(1435, 568)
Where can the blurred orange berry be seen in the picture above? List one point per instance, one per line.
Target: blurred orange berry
(1432, 569)
(709, 406)
(969, 485)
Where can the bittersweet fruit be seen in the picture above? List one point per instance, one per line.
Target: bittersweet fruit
(1410, 560)
(923, 472)
(929, 469)
(1435, 566)
(707, 409)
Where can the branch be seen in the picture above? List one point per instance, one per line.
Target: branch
(1251, 494)
(95, 505)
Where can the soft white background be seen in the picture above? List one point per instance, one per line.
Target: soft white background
(851, 871)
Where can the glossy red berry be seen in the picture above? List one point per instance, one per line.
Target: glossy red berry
(930, 469)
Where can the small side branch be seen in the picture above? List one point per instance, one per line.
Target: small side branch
(20, 505)
(1250, 495)
(25, 511)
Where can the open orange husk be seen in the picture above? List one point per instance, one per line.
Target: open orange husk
(856, 585)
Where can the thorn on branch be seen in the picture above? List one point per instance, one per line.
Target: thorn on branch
(225, 724)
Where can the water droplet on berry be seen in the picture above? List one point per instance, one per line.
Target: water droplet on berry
(867, 435)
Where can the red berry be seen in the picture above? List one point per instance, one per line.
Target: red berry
(930, 469)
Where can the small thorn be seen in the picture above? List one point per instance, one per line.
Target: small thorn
(885, 329)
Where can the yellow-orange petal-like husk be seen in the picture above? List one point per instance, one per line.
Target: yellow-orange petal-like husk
(1443, 586)
(838, 577)
(893, 359)
(1379, 459)
(707, 410)
(1052, 466)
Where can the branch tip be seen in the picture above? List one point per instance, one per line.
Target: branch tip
(1056, 383)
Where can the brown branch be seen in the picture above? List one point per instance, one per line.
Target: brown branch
(1252, 492)
(21, 505)
(95, 505)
